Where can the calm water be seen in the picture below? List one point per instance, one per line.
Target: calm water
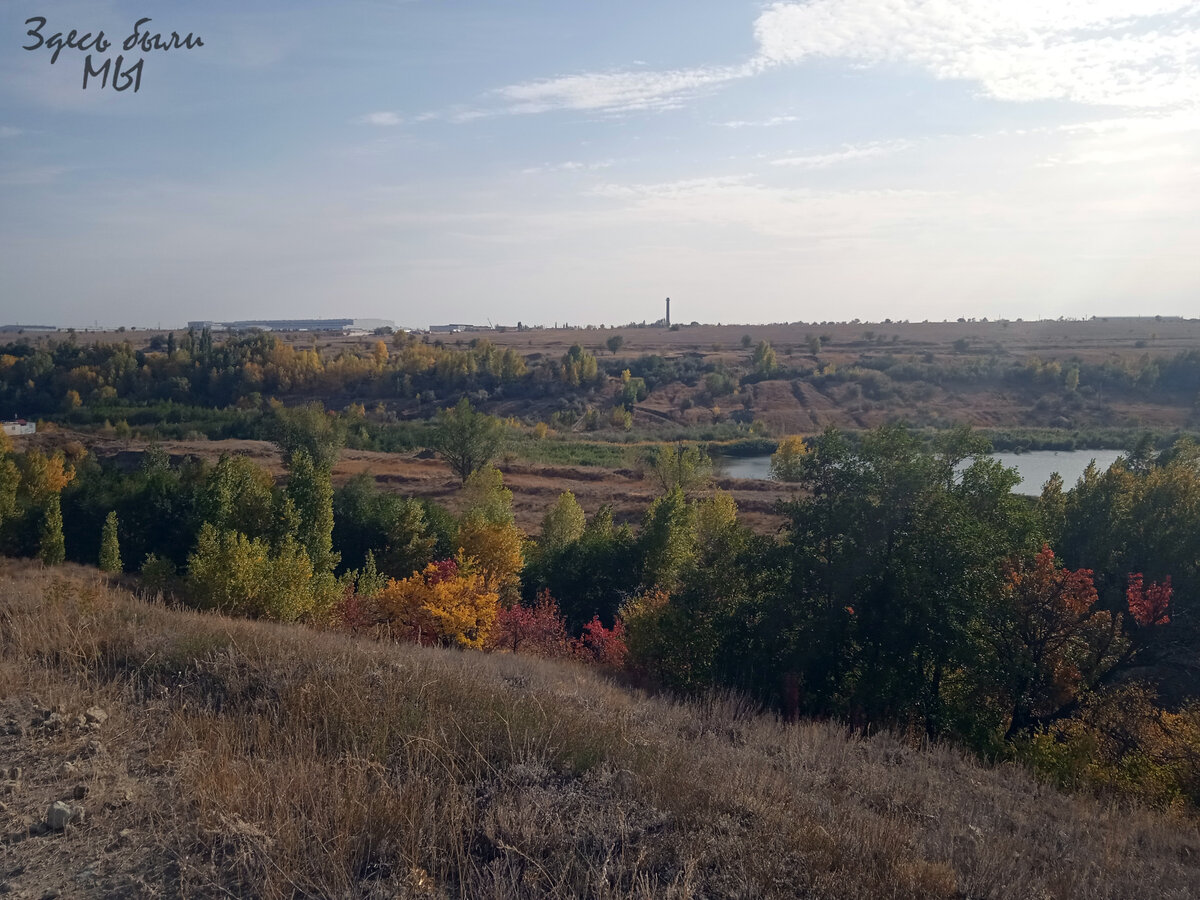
(1035, 467)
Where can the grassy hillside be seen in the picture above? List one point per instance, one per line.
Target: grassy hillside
(232, 758)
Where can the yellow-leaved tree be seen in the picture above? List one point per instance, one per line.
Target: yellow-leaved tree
(489, 537)
(44, 479)
(787, 462)
(448, 603)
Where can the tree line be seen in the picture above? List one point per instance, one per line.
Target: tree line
(909, 587)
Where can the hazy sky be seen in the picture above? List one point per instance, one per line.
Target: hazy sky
(460, 160)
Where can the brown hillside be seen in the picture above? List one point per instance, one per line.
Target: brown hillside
(200, 757)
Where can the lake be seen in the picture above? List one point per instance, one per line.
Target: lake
(1035, 467)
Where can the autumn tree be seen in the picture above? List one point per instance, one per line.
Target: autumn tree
(1053, 643)
(538, 629)
(44, 478)
(1141, 515)
(602, 646)
(488, 535)
(110, 550)
(469, 440)
(787, 460)
(447, 603)
(1149, 604)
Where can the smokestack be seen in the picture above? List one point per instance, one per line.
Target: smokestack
(668, 312)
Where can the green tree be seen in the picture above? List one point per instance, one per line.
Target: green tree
(312, 429)
(489, 536)
(110, 549)
(43, 479)
(615, 343)
(667, 540)
(686, 467)
(563, 524)
(579, 367)
(52, 546)
(486, 498)
(10, 480)
(238, 495)
(396, 530)
(787, 462)
(765, 361)
(235, 574)
(590, 577)
(369, 580)
(468, 439)
(310, 489)
(894, 552)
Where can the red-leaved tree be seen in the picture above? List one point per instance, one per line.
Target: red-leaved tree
(604, 646)
(1055, 644)
(539, 629)
(1149, 604)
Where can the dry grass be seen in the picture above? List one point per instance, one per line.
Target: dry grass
(247, 759)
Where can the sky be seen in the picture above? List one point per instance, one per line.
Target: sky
(438, 161)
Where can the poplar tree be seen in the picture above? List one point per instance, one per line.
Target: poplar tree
(52, 548)
(310, 488)
(110, 548)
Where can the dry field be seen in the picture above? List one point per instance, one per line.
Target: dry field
(198, 757)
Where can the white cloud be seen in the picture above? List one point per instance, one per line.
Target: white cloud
(569, 166)
(617, 91)
(8, 131)
(1133, 53)
(848, 153)
(765, 123)
(380, 118)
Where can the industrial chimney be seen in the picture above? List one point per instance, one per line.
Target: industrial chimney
(668, 312)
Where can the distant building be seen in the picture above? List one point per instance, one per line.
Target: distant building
(19, 426)
(343, 325)
(454, 329)
(36, 328)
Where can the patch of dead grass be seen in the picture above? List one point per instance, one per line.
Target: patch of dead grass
(262, 760)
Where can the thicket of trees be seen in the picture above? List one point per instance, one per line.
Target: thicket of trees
(910, 588)
(240, 371)
(227, 386)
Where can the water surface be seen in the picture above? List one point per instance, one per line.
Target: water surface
(1035, 467)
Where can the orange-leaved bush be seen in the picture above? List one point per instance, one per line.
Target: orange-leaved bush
(447, 603)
